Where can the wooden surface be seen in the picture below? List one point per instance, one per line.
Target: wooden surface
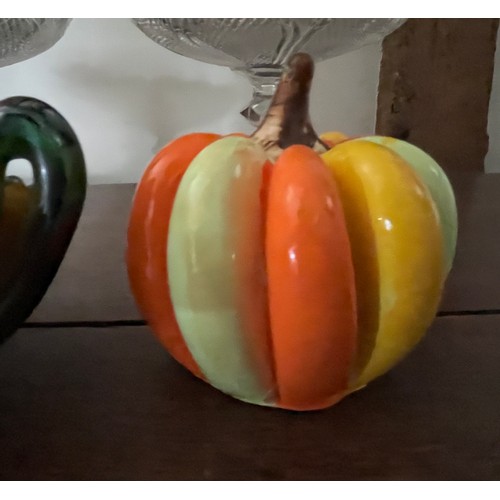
(92, 283)
(93, 402)
(111, 404)
(474, 282)
(435, 84)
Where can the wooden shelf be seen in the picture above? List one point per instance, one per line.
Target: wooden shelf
(109, 403)
(106, 404)
(92, 283)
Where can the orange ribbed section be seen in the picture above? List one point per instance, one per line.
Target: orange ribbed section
(311, 282)
(147, 241)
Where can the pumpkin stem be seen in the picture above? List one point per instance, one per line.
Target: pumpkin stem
(287, 121)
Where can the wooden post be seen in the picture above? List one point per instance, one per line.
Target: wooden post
(434, 90)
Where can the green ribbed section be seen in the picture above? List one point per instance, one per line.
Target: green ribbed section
(216, 268)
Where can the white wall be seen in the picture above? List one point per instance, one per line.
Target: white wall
(492, 162)
(125, 96)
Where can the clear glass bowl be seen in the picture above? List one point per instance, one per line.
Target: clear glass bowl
(23, 38)
(259, 48)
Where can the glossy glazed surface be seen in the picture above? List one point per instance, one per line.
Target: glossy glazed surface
(147, 240)
(398, 251)
(287, 284)
(37, 221)
(436, 181)
(216, 268)
(311, 282)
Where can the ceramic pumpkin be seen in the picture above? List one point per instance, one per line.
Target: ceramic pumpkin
(285, 269)
(37, 221)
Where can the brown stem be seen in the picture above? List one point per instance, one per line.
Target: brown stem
(287, 121)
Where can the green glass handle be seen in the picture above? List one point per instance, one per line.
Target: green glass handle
(37, 221)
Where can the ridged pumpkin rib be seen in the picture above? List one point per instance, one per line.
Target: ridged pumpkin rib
(147, 241)
(311, 282)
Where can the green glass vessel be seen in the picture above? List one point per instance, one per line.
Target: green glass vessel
(37, 221)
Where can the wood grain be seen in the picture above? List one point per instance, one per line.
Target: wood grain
(108, 404)
(434, 90)
(92, 283)
(474, 282)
